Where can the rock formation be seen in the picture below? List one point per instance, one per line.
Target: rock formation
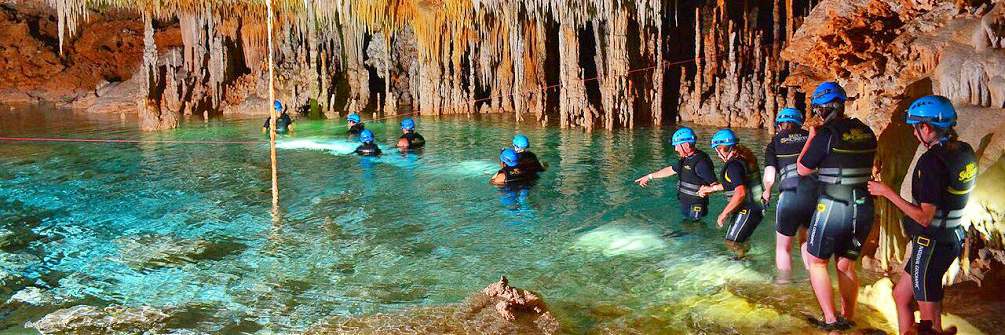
(887, 53)
(587, 64)
(83, 319)
(497, 309)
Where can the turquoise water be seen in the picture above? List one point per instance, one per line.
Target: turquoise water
(190, 226)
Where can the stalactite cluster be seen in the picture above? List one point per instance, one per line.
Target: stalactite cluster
(590, 64)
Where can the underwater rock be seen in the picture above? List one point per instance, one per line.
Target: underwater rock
(34, 296)
(152, 251)
(83, 319)
(497, 309)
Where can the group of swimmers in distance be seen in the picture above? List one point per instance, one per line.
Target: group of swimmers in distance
(826, 188)
(824, 175)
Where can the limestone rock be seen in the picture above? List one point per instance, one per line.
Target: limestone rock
(34, 296)
(83, 319)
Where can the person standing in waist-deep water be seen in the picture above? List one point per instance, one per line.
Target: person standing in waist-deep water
(526, 159)
(355, 124)
(841, 152)
(367, 148)
(694, 169)
(410, 140)
(510, 171)
(941, 184)
(740, 179)
(284, 123)
(797, 196)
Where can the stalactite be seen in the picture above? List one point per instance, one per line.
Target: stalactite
(574, 110)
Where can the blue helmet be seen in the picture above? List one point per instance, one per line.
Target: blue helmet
(408, 124)
(934, 110)
(508, 156)
(789, 114)
(353, 118)
(366, 136)
(277, 105)
(521, 142)
(827, 92)
(724, 137)
(683, 135)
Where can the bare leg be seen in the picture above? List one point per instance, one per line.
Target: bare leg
(903, 295)
(783, 258)
(738, 248)
(931, 310)
(806, 256)
(848, 284)
(820, 280)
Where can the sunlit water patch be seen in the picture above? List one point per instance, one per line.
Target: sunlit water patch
(190, 226)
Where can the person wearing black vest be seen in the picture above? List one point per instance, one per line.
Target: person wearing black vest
(841, 152)
(355, 124)
(797, 195)
(410, 140)
(742, 185)
(284, 123)
(941, 183)
(526, 159)
(367, 148)
(694, 169)
(510, 173)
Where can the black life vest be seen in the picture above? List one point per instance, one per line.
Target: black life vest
(415, 140)
(368, 149)
(961, 162)
(356, 128)
(753, 184)
(852, 150)
(788, 144)
(528, 161)
(689, 181)
(514, 174)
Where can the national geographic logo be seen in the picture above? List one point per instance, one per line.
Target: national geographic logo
(856, 135)
(793, 138)
(969, 172)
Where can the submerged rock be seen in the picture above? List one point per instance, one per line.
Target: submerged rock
(497, 309)
(154, 251)
(83, 319)
(34, 296)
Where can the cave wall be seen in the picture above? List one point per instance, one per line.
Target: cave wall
(616, 64)
(887, 53)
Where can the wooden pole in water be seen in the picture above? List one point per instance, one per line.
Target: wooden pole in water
(272, 119)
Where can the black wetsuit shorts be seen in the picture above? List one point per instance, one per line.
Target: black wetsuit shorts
(694, 209)
(795, 207)
(930, 259)
(839, 228)
(745, 220)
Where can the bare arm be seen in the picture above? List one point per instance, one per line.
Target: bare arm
(922, 214)
(662, 173)
(800, 168)
(734, 203)
(768, 181)
(498, 179)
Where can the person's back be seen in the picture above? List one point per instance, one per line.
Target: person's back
(527, 161)
(510, 172)
(409, 139)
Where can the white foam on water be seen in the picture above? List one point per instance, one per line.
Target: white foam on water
(616, 238)
(338, 147)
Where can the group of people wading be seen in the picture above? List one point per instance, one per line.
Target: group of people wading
(825, 180)
(826, 189)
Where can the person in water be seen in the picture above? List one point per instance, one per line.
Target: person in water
(941, 184)
(841, 152)
(367, 148)
(410, 140)
(355, 124)
(510, 171)
(740, 179)
(797, 195)
(526, 159)
(284, 123)
(694, 169)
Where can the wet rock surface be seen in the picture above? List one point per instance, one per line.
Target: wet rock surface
(83, 319)
(497, 309)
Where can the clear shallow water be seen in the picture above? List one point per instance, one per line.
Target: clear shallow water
(189, 226)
